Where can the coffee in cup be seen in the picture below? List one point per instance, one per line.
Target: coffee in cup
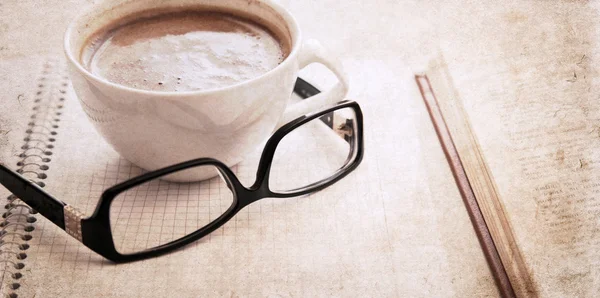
(183, 50)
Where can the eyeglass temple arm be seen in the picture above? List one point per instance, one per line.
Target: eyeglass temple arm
(343, 127)
(33, 196)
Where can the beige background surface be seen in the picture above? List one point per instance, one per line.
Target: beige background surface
(399, 227)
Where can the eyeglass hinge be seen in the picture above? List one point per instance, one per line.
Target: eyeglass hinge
(345, 130)
(73, 219)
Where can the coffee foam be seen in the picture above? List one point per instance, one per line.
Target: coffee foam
(183, 51)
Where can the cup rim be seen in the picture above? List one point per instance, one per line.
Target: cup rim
(287, 17)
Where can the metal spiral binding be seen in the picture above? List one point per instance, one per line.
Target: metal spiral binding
(18, 219)
(15, 231)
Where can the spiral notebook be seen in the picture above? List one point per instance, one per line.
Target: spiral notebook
(50, 119)
(353, 238)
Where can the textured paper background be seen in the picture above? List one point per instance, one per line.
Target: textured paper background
(395, 227)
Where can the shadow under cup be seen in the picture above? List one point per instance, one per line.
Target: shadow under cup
(155, 129)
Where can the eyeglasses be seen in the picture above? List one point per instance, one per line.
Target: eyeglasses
(145, 217)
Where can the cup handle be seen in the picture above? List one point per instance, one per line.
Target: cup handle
(313, 52)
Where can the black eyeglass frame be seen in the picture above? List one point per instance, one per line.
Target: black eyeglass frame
(95, 231)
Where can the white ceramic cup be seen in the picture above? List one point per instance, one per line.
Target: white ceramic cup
(154, 129)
